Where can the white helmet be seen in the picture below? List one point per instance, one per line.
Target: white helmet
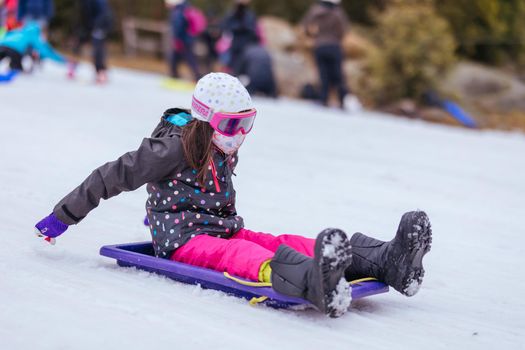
(219, 92)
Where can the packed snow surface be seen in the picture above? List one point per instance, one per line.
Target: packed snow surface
(302, 169)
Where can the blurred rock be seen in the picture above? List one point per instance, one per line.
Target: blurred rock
(279, 34)
(354, 72)
(293, 65)
(410, 109)
(497, 98)
(405, 107)
(293, 71)
(487, 88)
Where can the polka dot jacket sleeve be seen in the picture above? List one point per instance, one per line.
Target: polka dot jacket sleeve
(155, 159)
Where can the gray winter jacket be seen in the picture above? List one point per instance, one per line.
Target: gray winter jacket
(178, 208)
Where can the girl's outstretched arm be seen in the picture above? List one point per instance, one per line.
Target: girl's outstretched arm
(155, 159)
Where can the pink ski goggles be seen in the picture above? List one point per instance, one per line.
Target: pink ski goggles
(227, 124)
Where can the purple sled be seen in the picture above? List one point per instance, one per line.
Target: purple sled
(141, 256)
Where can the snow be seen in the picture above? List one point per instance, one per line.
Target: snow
(412, 288)
(302, 169)
(342, 298)
(335, 249)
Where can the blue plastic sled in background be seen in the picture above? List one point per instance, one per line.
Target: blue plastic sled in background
(458, 113)
(8, 77)
(141, 256)
(432, 98)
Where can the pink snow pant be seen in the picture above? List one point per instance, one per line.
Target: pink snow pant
(241, 255)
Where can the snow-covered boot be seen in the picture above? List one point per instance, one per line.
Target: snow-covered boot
(398, 263)
(319, 280)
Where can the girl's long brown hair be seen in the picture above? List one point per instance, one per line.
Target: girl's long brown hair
(197, 139)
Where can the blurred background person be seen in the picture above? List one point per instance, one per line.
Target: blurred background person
(93, 25)
(211, 37)
(26, 41)
(2, 16)
(39, 11)
(327, 23)
(256, 71)
(186, 22)
(241, 26)
(10, 14)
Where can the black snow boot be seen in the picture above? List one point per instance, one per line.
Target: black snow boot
(397, 263)
(319, 280)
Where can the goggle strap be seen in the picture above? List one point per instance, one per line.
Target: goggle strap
(201, 109)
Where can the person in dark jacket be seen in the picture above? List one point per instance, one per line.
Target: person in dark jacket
(256, 65)
(327, 23)
(188, 165)
(183, 41)
(241, 26)
(211, 36)
(93, 25)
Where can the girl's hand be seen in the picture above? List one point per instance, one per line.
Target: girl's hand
(49, 228)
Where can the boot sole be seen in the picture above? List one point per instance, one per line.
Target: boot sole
(334, 254)
(419, 243)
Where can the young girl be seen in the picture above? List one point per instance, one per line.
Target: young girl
(188, 165)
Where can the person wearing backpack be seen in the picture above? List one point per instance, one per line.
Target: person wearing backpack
(186, 23)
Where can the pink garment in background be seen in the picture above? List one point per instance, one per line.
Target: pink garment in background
(241, 255)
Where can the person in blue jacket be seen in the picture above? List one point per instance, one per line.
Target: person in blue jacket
(26, 41)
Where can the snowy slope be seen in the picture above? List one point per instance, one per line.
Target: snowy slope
(302, 169)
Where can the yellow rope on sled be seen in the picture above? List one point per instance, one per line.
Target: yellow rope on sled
(253, 301)
(247, 283)
(362, 280)
(267, 284)
(256, 300)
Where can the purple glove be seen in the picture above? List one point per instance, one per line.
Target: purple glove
(50, 228)
(146, 221)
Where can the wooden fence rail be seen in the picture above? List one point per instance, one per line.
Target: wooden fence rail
(147, 36)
